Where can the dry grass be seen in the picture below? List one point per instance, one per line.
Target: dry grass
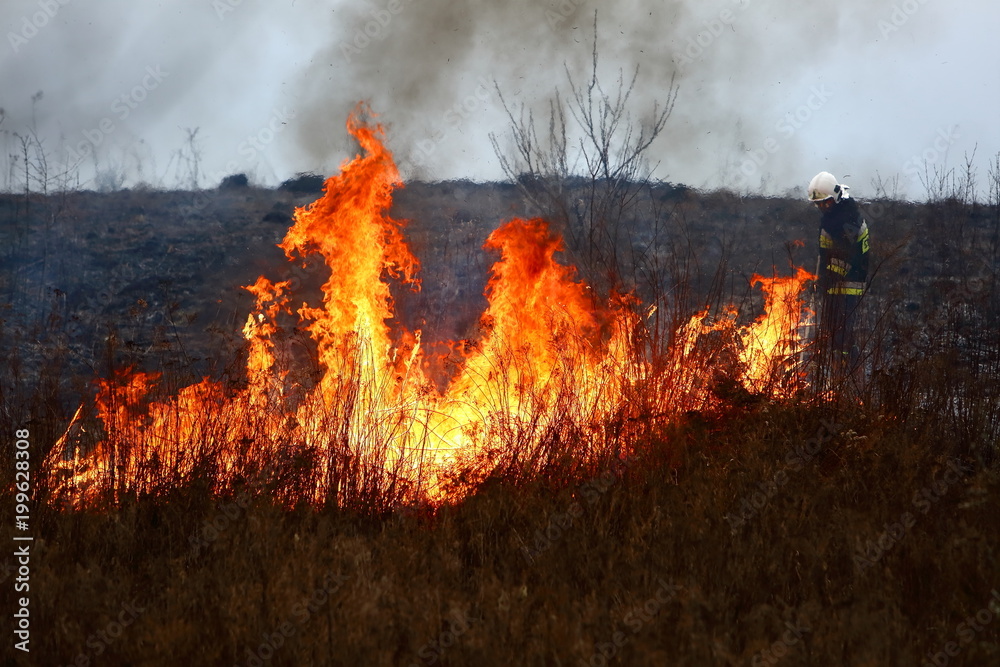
(545, 573)
(869, 526)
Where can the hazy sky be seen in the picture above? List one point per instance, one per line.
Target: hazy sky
(769, 92)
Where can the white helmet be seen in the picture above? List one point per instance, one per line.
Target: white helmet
(824, 186)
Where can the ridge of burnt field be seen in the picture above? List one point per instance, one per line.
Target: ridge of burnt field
(166, 267)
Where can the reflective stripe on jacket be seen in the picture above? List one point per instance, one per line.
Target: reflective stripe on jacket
(844, 244)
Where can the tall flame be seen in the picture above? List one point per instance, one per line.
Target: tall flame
(350, 227)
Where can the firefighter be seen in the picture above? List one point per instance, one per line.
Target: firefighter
(843, 271)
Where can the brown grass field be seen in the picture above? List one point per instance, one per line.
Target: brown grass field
(856, 530)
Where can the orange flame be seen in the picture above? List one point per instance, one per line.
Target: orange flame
(538, 316)
(774, 339)
(350, 227)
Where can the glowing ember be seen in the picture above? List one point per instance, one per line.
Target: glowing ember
(554, 375)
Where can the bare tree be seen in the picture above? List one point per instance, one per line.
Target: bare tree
(36, 163)
(190, 154)
(587, 170)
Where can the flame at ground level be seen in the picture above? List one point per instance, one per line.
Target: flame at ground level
(554, 374)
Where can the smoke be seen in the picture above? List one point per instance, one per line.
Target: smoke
(752, 76)
(769, 92)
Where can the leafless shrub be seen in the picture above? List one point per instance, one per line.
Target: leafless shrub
(587, 170)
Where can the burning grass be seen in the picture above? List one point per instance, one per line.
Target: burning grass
(555, 375)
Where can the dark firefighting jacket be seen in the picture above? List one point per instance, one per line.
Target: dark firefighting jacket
(843, 249)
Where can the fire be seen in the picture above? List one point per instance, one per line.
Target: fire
(539, 321)
(259, 329)
(351, 229)
(773, 340)
(553, 370)
(542, 364)
(367, 386)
